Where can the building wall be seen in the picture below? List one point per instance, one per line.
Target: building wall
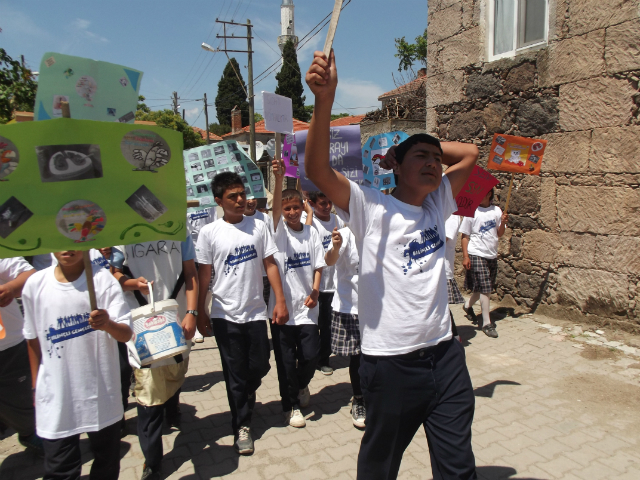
(572, 248)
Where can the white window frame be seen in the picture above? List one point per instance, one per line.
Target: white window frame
(516, 34)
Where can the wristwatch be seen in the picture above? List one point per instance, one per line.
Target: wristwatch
(193, 312)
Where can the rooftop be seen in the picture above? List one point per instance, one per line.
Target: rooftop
(410, 87)
(352, 120)
(297, 126)
(203, 134)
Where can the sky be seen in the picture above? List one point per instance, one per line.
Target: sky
(162, 38)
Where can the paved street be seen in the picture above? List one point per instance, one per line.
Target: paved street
(547, 407)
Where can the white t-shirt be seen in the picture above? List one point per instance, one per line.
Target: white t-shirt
(402, 293)
(483, 231)
(345, 300)
(78, 384)
(198, 219)
(324, 230)
(452, 225)
(12, 319)
(299, 255)
(236, 252)
(267, 220)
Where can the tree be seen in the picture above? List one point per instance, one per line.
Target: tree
(218, 129)
(409, 53)
(17, 87)
(231, 93)
(290, 81)
(167, 119)
(257, 117)
(142, 107)
(335, 116)
(309, 110)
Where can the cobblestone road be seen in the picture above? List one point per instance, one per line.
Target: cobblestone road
(544, 410)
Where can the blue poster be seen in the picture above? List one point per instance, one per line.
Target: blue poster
(373, 152)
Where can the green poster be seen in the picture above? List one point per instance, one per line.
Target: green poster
(76, 184)
(201, 164)
(95, 90)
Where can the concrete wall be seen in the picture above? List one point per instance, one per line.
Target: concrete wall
(572, 248)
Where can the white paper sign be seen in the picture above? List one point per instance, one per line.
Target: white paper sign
(278, 113)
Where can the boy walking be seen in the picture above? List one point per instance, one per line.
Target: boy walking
(236, 247)
(300, 258)
(78, 374)
(412, 372)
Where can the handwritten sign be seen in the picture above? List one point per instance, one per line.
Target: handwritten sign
(278, 113)
(373, 152)
(516, 154)
(344, 154)
(478, 185)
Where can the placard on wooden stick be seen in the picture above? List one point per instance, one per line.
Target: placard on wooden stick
(331, 33)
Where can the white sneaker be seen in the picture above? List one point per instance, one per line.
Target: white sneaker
(305, 397)
(358, 412)
(296, 419)
(198, 337)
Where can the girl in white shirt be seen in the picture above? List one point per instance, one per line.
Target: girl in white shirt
(480, 236)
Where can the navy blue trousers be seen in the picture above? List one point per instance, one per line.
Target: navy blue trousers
(429, 387)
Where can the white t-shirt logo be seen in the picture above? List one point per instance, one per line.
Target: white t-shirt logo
(418, 249)
(299, 260)
(243, 254)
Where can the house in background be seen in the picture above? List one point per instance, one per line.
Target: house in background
(566, 71)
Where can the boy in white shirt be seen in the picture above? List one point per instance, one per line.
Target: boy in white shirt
(324, 222)
(345, 327)
(16, 397)
(452, 227)
(300, 258)
(78, 374)
(412, 372)
(237, 247)
(251, 210)
(480, 236)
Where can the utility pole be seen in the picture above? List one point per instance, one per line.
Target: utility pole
(249, 52)
(175, 103)
(206, 118)
(183, 114)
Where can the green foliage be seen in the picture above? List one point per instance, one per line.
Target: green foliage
(409, 53)
(309, 110)
(290, 82)
(257, 117)
(335, 116)
(17, 87)
(231, 94)
(219, 130)
(167, 119)
(142, 107)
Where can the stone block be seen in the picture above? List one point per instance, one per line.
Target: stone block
(504, 244)
(462, 50)
(537, 116)
(622, 47)
(530, 286)
(516, 246)
(540, 246)
(444, 23)
(615, 150)
(602, 210)
(466, 125)
(593, 291)
(524, 200)
(470, 13)
(522, 222)
(587, 15)
(523, 266)
(445, 88)
(572, 59)
(548, 215)
(618, 254)
(505, 281)
(432, 121)
(434, 65)
(594, 103)
(494, 115)
(566, 152)
(482, 85)
(564, 248)
(520, 78)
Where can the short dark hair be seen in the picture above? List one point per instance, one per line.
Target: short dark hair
(223, 182)
(291, 194)
(315, 195)
(405, 146)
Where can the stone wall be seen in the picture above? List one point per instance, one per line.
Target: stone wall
(572, 248)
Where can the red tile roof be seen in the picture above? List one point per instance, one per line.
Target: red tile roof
(352, 120)
(203, 134)
(297, 126)
(406, 88)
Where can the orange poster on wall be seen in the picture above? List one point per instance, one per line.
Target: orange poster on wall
(516, 154)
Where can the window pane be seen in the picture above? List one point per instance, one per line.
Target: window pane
(533, 23)
(503, 26)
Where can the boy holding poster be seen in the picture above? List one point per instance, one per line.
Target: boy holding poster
(412, 372)
(236, 247)
(78, 376)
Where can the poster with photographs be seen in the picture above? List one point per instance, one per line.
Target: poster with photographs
(373, 152)
(78, 184)
(202, 164)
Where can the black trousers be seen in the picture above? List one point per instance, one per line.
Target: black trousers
(62, 459)
(429, 387)
(150, 429)
(324, 323)
(16, 398)
(296, 349)
(244, 351)
(125, 374)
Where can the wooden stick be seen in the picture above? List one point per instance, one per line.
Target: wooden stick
(506, 205)
(278, 146)
(335, 16)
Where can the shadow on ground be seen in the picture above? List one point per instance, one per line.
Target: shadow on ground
(500, 473)
(488, 390)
